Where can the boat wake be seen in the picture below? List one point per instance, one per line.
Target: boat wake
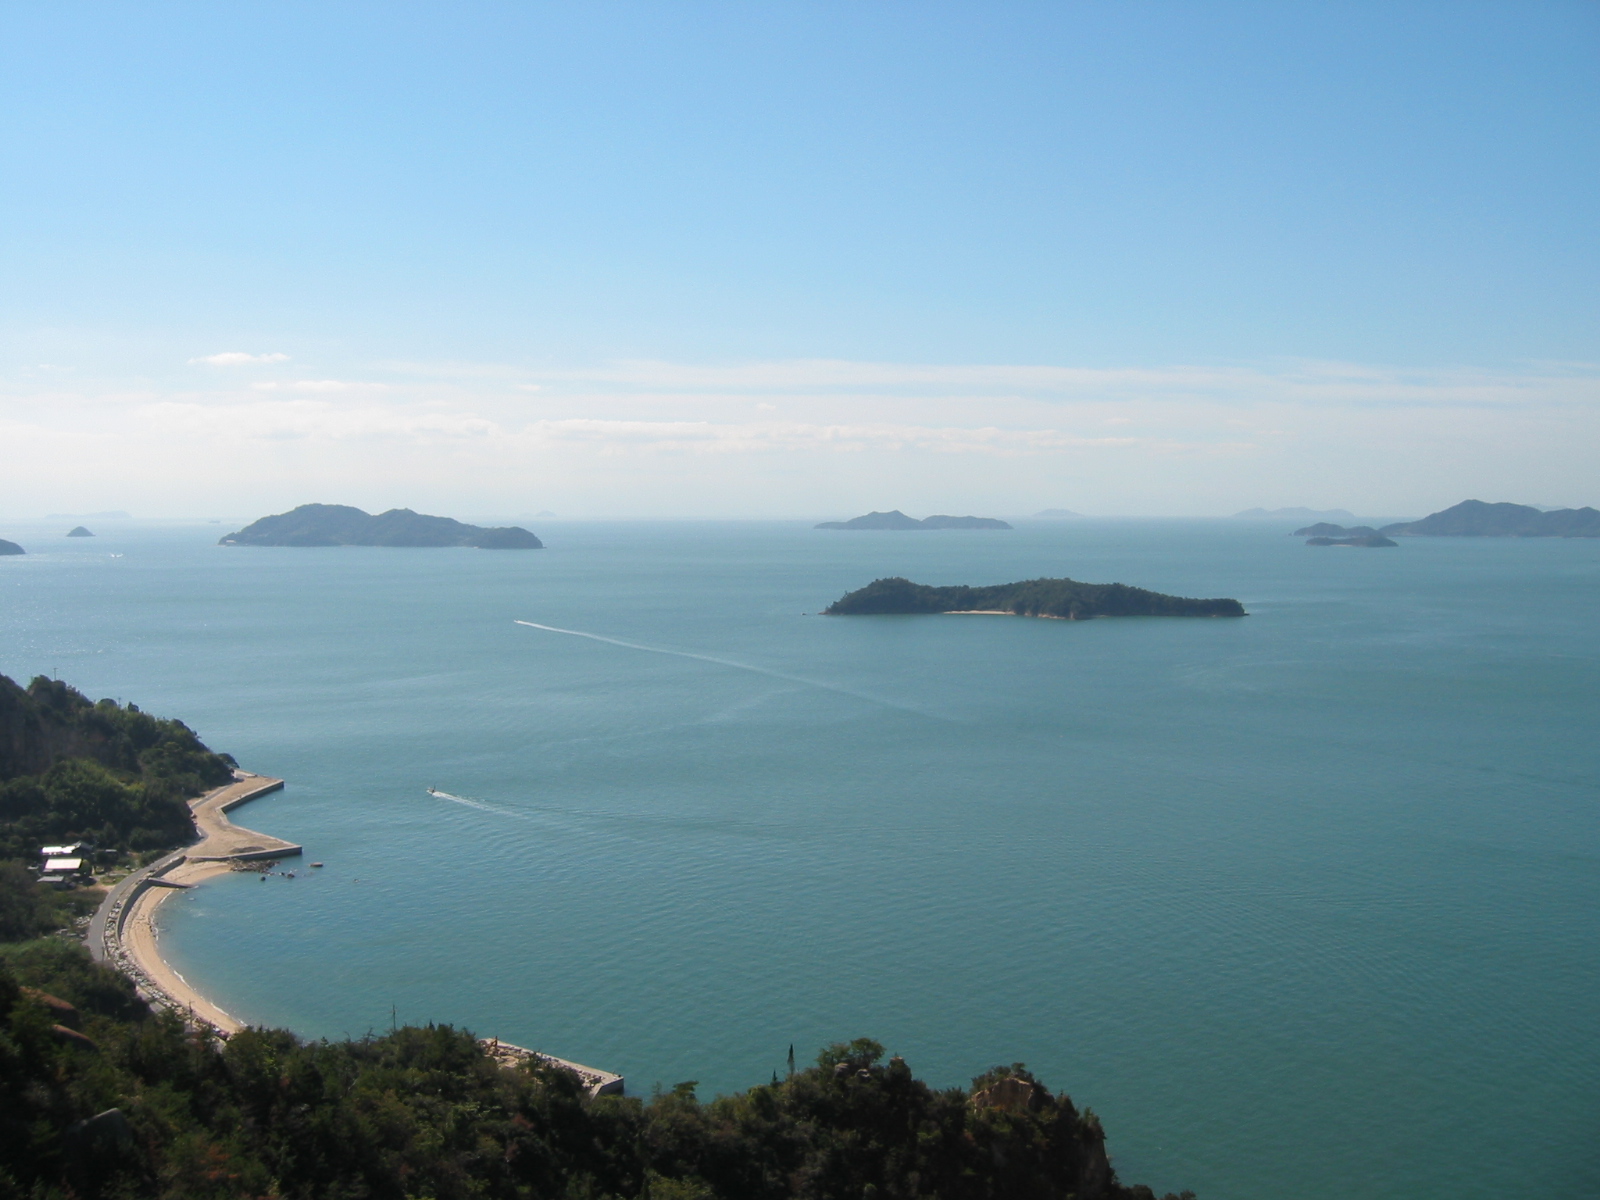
(739, 666)
(471, 803)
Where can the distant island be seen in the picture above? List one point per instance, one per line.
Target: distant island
(10, 547)
(1371, 541)
(79, 531)
(1329, 530)
(1296, 514)
(1325, 534)
(341, 525)
(1064, 599)
(1474, 518)
(895, 519)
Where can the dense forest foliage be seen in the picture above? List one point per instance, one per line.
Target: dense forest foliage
(72, 769)
(98, 1098)
(1031, 598)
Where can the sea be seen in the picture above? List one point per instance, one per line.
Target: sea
(1301, 905)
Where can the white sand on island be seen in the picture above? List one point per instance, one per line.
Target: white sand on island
(221, 842)
(1000, 612)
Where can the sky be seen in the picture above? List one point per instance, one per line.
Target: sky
(687, 260)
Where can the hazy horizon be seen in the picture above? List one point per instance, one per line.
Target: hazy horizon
(700, 261)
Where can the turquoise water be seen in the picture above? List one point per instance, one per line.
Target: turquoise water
(1302, 905)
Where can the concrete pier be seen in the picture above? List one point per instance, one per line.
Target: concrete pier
(596, 1081)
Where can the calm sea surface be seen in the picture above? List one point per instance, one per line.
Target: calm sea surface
(1305, 905)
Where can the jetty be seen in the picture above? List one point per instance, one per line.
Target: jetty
(594, 1080)
(122, 933)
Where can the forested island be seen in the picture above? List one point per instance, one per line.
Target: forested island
(1066, 599)
(10, 548)
(101, 1097)
(342, 525)
(895, 519)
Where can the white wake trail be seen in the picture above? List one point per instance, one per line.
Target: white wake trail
(738, 666)
(478, 804)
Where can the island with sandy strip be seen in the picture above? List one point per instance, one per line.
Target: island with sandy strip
(1063, 599)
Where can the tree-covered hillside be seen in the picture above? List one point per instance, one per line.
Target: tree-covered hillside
(100, 1099)
(72, 769)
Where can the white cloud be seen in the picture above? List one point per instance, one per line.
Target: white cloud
(801, 437)
(318, 385)
(238, 358)
(773, 436)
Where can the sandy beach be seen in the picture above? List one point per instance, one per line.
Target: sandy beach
(124, 932)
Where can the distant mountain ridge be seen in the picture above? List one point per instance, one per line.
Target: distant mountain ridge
(895, 519)
(1474, 518)
(342, 525)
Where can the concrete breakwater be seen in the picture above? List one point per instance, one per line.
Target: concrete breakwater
(598, 1082)
(123, 935)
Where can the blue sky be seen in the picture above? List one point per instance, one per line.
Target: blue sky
(703, 259)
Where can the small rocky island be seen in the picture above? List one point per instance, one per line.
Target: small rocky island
(79, 531)
(10, 548)
(1063, 599)
(895, 519)
(342, 525)
(1325, 534)
(1370, 541)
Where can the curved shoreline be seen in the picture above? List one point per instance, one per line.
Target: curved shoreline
(123, 932)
